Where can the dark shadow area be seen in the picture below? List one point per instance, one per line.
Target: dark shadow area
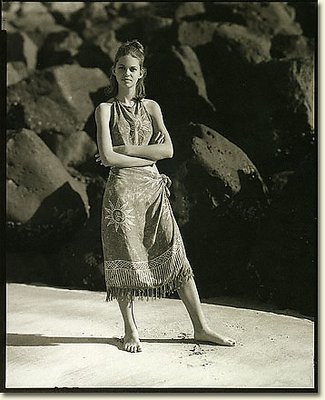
(22, 339)
(17, 339)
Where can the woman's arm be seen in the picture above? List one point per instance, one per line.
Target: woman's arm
(104, 141)
(153, 152)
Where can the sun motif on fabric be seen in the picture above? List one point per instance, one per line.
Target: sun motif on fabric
(119, 216)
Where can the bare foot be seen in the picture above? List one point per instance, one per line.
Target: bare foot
(207, 335)
(131, 342)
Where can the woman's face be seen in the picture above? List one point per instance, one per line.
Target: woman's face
(127, 71)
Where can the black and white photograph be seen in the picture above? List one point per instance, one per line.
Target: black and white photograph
(161, 197)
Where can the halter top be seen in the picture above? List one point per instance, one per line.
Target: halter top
(130, 124)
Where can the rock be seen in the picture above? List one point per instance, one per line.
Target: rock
(33, 16)
(155, 24)
(45, 204)
(62, 12)
(236, 41)
(196, 33)
(260, 107)
(285, 46)
(219, 199)
(59, 48)
(102, 48)
(283, 261)
(91, 30)
(306, 16)
(57, 99)
(73, 149)
(92, 13)
(16, 71)
(20, 48)
(182, 92)
(261, 18)
(290, 95)
(220, 163)
(34, 20)
(164, 9)
(189, 10)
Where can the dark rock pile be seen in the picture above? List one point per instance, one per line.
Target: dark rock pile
(235, 81)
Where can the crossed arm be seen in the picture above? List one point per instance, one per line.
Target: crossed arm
(132, 155)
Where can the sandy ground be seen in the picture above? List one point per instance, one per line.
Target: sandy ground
(69, 338)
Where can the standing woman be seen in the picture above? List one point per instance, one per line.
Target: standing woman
(144, 254)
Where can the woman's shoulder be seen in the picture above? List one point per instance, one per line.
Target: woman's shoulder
(151, 105)
(105, 105)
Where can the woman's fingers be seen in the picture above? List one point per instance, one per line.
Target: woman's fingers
(159, 137)
(98, 159)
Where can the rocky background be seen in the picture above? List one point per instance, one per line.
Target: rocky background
(235, 82)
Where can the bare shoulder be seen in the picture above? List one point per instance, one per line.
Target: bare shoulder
(103, 107)
(152, 106)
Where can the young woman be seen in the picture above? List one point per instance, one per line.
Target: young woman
(144, 254)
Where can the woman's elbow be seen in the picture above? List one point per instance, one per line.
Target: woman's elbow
(170, 152)
(108, 160)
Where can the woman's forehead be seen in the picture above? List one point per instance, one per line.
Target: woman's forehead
(128, 60)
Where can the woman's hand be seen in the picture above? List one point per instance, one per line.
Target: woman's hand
(159, 138)
(98, 159)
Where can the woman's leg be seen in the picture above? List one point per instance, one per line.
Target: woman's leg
(190, 297)
(131, 339)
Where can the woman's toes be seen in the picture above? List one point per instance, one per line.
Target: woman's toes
(139, 349)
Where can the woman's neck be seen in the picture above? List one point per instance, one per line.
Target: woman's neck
(126, 96)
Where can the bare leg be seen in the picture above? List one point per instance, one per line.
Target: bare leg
(190, 297)
(131, 341)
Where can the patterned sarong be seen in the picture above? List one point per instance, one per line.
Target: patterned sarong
(144, 254)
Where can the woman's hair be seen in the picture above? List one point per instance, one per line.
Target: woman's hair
(135, 49)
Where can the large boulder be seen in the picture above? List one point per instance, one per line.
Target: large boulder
(63, 11)
(59, 48)
(189, 10)
(219, 199)
(16, 71)
(270, 99)
(35, 20)
(229, 41)
(45, 204)
(74, 149)
(292, 46)
(175, 80)
(196, 33)
(57, 100)
(20, 48)
(288, 103)
(238, 43)
(99, 50)
(31, 16)
(262, 18)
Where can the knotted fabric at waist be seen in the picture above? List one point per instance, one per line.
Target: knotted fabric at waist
(142, 174)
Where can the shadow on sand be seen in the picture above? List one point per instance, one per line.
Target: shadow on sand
(22, 339)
